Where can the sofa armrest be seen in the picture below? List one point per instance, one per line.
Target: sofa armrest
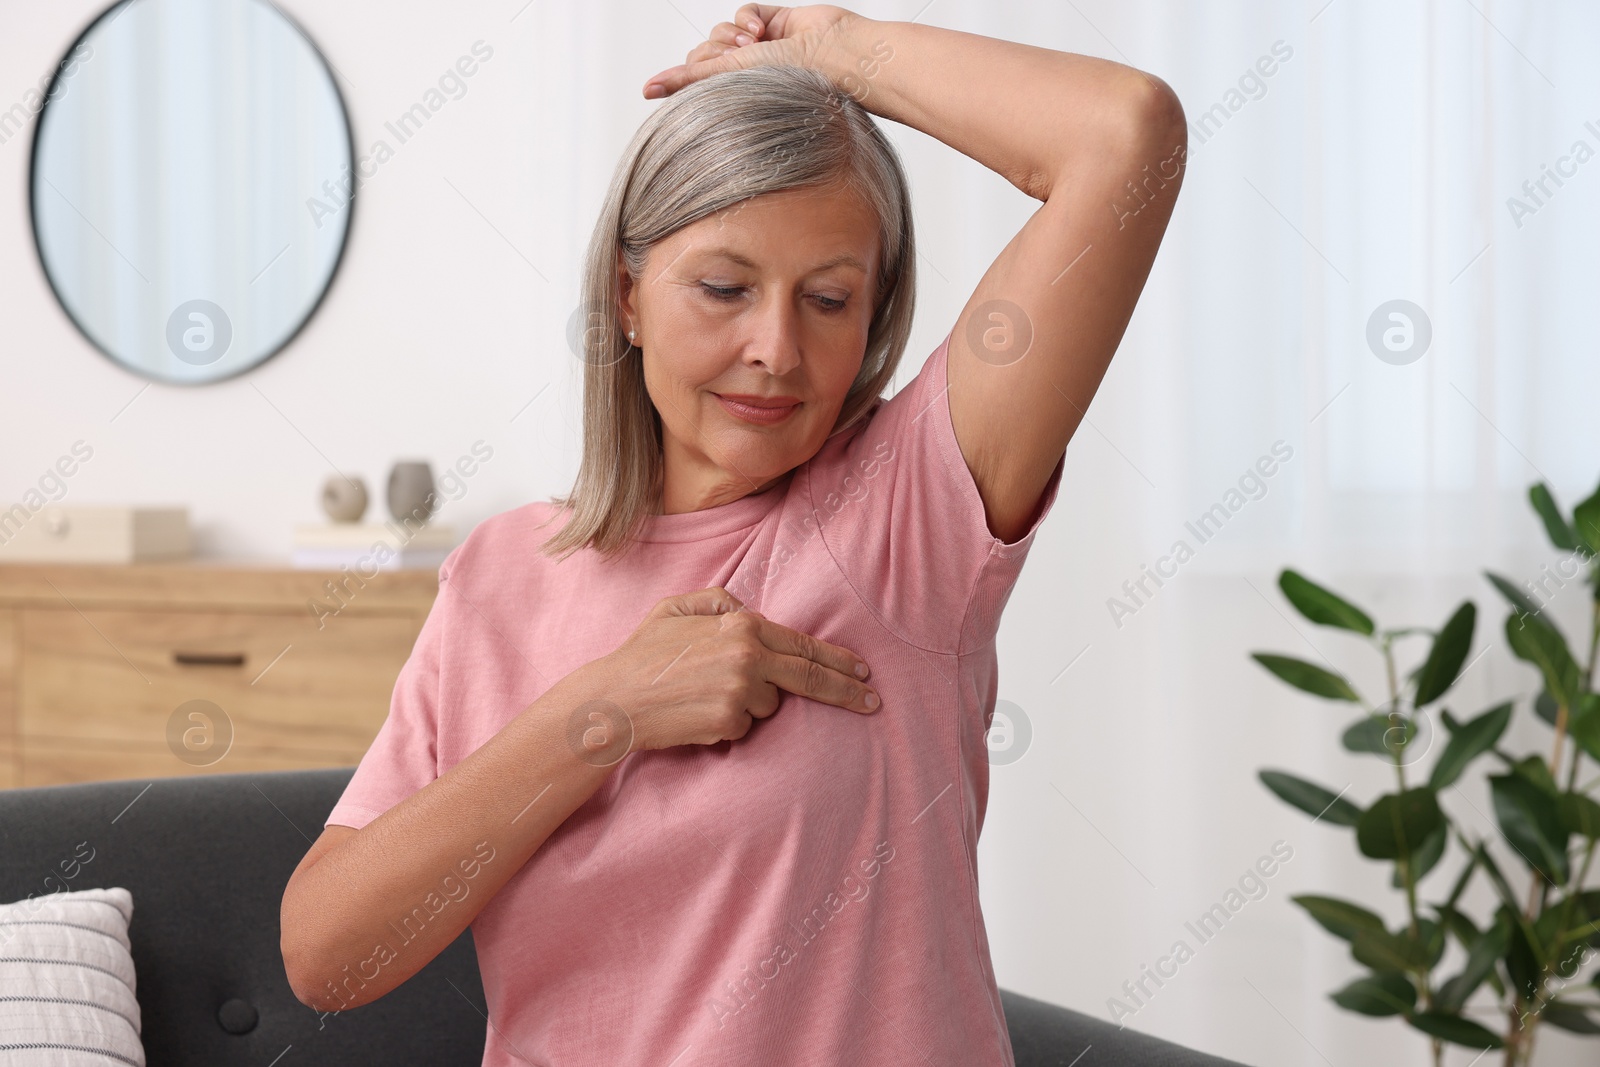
(1046, 1035)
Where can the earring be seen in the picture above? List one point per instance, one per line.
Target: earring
(631, 335)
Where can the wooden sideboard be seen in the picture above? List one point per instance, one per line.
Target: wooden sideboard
(150, 670)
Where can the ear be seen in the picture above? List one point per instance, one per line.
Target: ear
(628, 314)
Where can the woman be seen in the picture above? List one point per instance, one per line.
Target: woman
(658, 867)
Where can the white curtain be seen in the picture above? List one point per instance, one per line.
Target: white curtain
(1374, 163)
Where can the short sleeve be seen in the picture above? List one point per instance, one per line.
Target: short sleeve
(404, 756)
(905, 522)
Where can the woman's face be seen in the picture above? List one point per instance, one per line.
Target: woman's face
(768, 302)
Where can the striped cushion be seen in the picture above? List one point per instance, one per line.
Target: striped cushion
(67, 981)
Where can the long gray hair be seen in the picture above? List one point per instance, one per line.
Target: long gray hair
(709, 146)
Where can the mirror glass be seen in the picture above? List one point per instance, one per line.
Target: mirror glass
(189, 186)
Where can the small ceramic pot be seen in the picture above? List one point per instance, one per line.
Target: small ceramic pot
(344, 499)
(411, 493)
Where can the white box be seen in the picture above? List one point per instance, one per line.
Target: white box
(332, 546)
(94, 535)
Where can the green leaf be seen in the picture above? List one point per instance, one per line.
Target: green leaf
(1585, 916)
(1579, 815)
(1562, 933)
(1537, 771)
(1459, 925)
(1469, 741)
(1383, 951)
(1384, 993)
(1456, 1030)
(1571, 1017)
(1311, 798)
(1486, 948)
(1339, 917)
(1426, 857)
(1322, 606)
(1376, 733)
(1398, 823)
(1502, 887)
(1576, 937)
(1530, 821)
(1519, 600)
(1307, 676)
(1586, 520)
(1468, 935)
(1433, 938)
(1554, 524)
(1536, 641)
(1523, 960)
(1584, 725)
(1461, 886)
(1449, 652)
(1544, 706)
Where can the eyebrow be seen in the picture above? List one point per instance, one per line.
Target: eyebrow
(843, 258)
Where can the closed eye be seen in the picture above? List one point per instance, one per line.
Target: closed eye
(729, 293)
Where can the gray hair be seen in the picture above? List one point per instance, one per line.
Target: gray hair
(714, 143)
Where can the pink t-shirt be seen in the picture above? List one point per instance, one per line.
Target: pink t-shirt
(806, 895)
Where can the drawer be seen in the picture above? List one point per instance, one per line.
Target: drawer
(51, 762)
(119, 676)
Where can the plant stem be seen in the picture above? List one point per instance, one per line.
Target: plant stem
(1561, 735)
(1594, 636)
(1588, 680)
(1397, 752)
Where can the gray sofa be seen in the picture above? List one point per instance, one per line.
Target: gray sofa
(206, 859)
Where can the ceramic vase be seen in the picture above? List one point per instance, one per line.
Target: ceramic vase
(411, 493)
(344, 499)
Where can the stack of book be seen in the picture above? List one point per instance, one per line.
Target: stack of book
(366, 547)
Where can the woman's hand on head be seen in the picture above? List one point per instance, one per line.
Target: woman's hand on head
(758, 34)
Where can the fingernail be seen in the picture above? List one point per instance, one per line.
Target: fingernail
(755, 27)
(653, 90)
(871, 700)
(861, 670)
(742, 38)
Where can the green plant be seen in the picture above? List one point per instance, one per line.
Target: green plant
(1530, 952)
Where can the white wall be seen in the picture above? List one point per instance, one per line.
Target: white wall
(1374, 164)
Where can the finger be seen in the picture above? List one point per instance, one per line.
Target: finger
(790, 642)
(729, 34)
(752, 17)
(765, 704)
(713, 601)
(707, 50)
(672, 79)
(807, 677)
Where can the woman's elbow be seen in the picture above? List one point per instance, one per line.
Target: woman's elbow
(307, 963)
(1155, 117)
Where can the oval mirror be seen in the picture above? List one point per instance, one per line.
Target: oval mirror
(189, 189)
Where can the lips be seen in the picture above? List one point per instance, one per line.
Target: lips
(762, 410)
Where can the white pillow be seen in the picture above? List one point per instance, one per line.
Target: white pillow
(67, 981)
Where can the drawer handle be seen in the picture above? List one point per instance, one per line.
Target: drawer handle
(208, 659)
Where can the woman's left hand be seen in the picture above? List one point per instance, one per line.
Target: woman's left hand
(759, 34)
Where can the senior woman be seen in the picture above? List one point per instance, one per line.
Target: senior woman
(743, 830)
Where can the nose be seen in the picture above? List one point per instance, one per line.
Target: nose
(773, 342)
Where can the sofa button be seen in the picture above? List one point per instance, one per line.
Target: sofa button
(237, 1016)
